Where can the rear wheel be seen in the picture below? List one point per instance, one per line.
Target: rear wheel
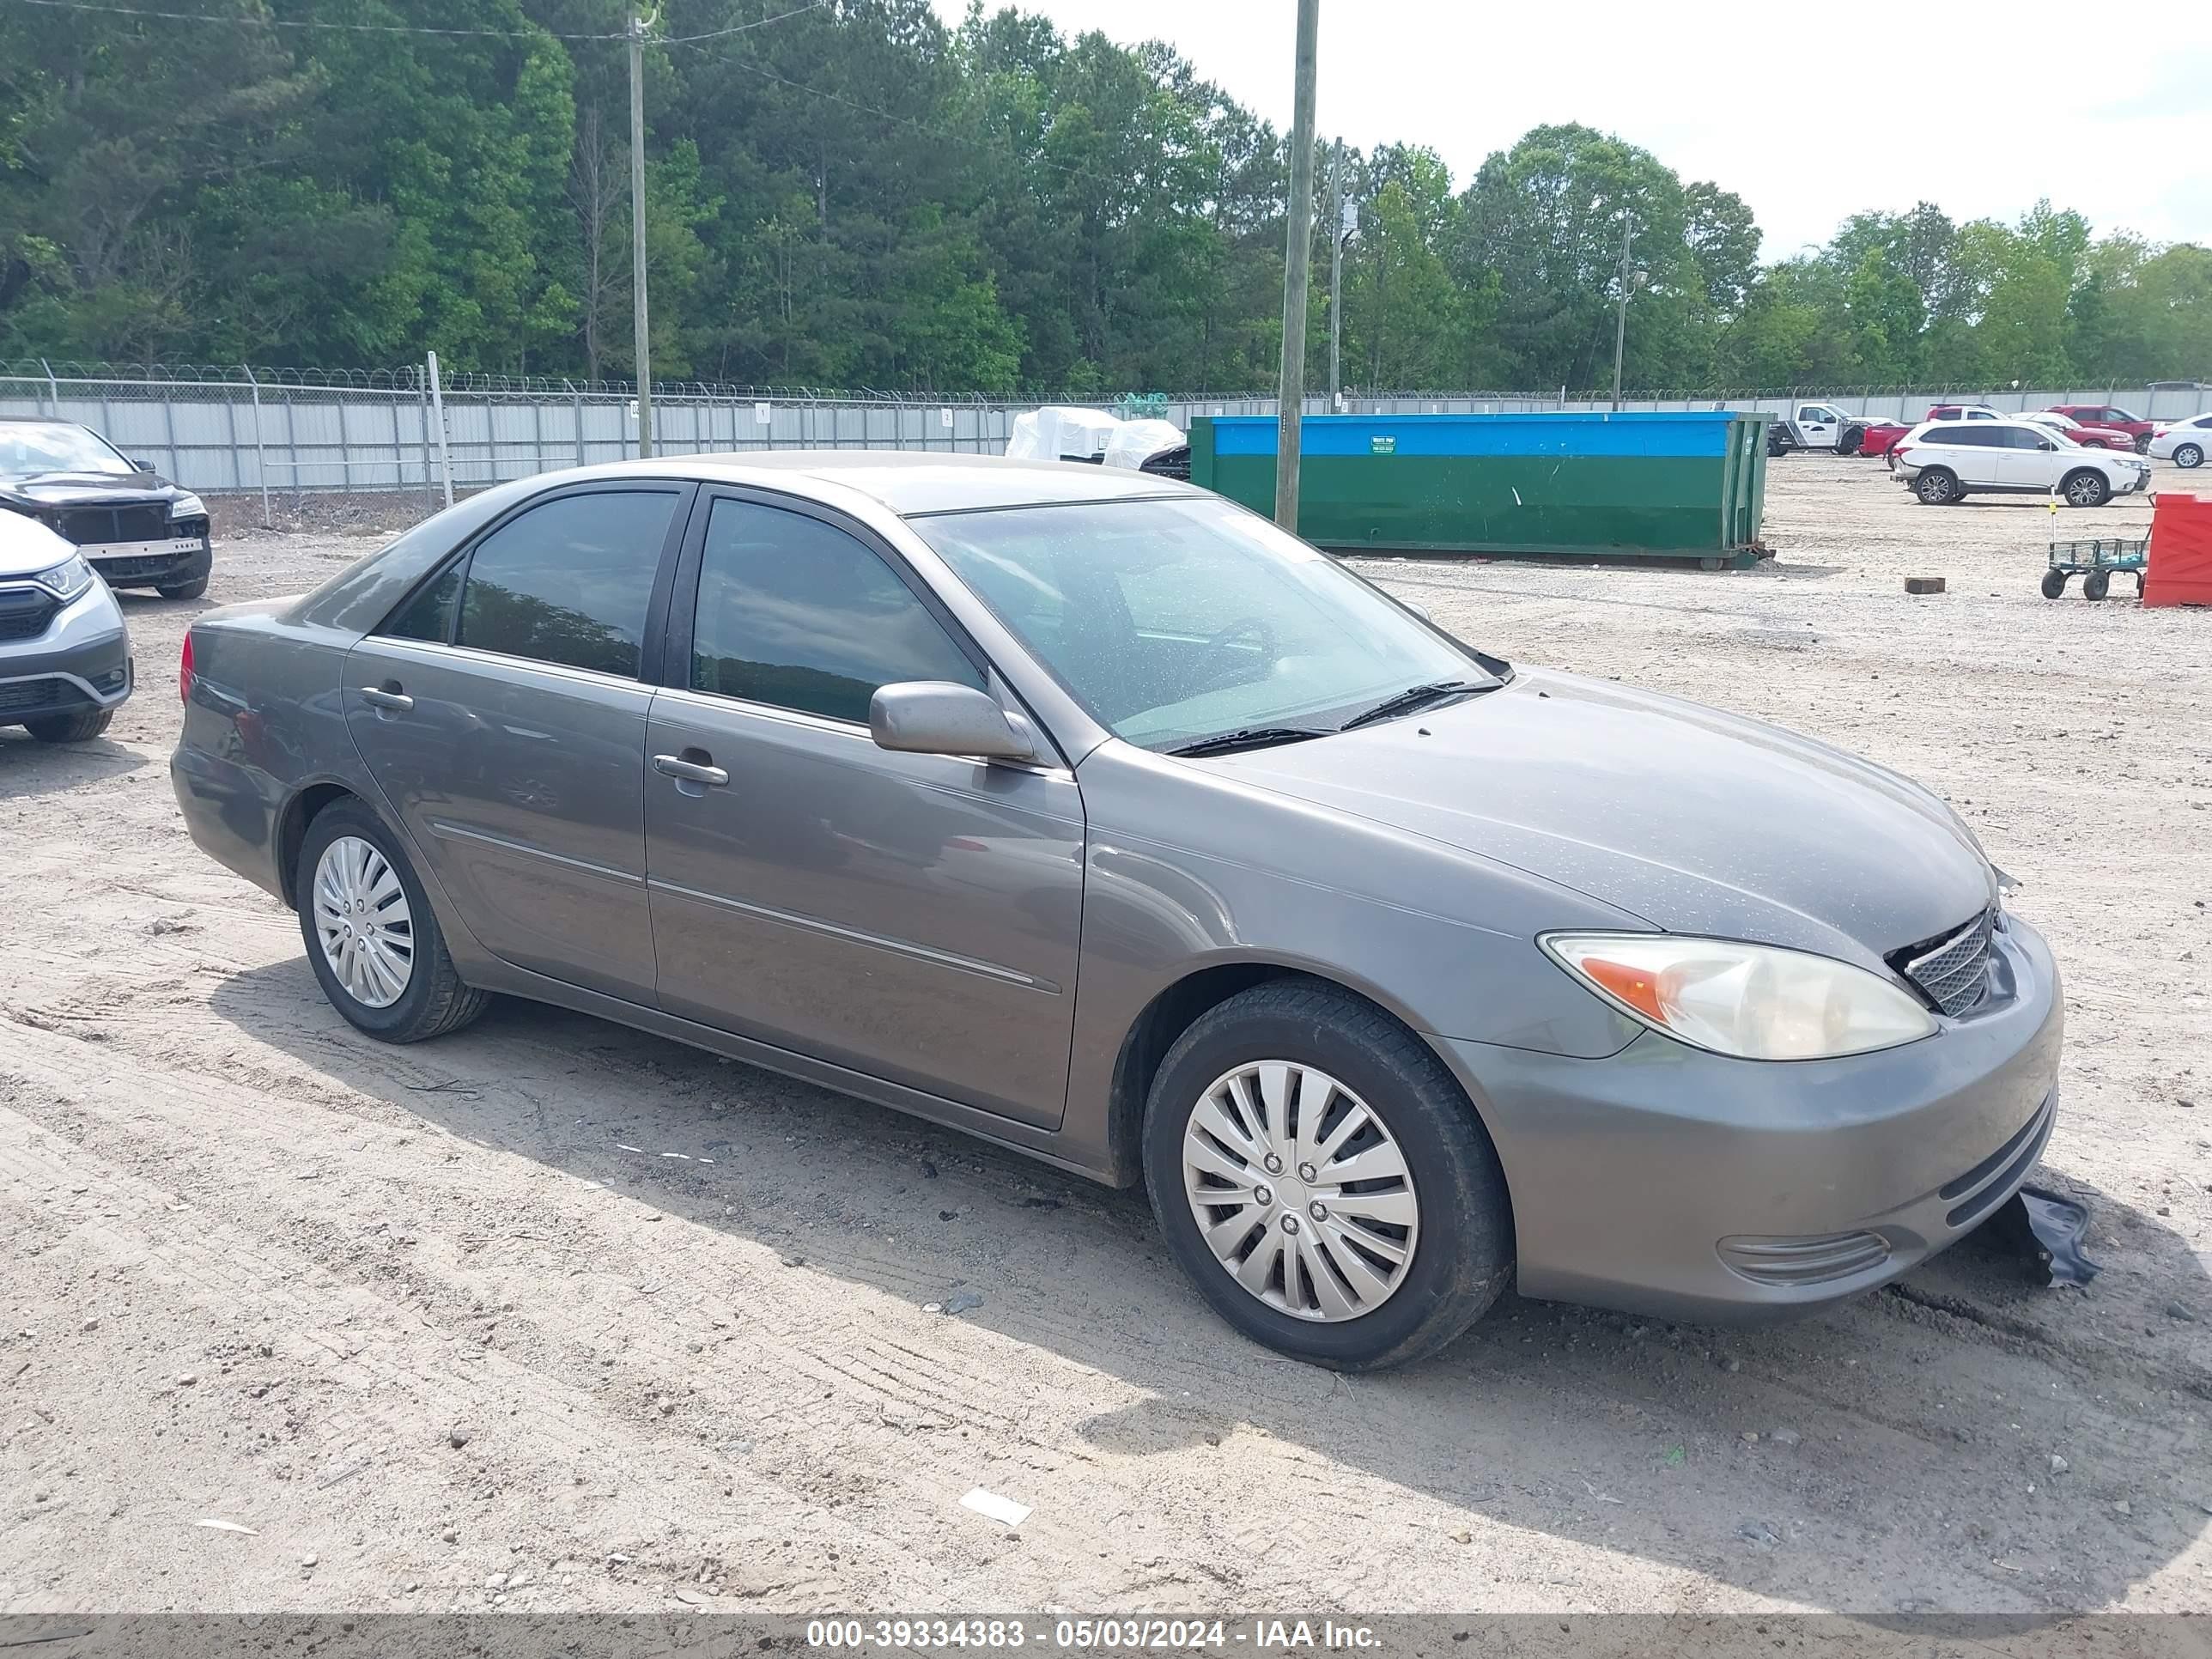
(191, 590)
(2142, 443)
(71, 728)
(2096, 584)
(2188, 455)
(1936, 486)
(2054, 583)
(2086, 489)
(1848, 442)
(1323, 1181)
(371, 937)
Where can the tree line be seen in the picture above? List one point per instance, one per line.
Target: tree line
(858, 195)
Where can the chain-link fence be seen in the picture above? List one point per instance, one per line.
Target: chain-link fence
(284, 435)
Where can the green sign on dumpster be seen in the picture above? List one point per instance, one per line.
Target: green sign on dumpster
(1383, 446)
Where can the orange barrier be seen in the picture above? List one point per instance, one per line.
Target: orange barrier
(2180, 571)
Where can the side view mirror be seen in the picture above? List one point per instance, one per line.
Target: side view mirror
(144, 466)
(2047, 443)
(936, 717)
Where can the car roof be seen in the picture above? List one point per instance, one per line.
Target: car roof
(913, 482)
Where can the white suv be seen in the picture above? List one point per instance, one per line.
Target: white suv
(1942, 461)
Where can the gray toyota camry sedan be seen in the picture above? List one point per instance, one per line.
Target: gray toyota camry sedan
(1091, 814)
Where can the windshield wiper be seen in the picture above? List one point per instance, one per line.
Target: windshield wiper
(1412, 697)
(1252, 737)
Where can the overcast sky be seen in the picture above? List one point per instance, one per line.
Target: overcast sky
(1810, 110)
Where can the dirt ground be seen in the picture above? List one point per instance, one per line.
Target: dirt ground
(554, 1315)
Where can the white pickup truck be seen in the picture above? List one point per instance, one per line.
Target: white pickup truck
(1815, 426)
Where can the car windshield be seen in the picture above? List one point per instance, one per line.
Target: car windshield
(28, 448)
(1175, 621)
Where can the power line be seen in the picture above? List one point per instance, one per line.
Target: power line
(395, 28)
(304, 23)
(971, 140)
(739, 28)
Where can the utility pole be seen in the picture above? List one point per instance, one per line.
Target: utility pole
(1298, 263)
(1336, 278)
(1620, 318)
(637, 234)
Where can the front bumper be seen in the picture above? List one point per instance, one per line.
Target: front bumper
(1675, 1183)
(83, 661)
(151, 564)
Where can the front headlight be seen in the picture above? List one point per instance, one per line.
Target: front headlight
(1750, 1001)
(188, 506)
(66, 579)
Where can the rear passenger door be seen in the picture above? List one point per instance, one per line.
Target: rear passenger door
(501, 711)
(1974, 451)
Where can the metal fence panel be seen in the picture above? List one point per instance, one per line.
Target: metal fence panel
(291, 434)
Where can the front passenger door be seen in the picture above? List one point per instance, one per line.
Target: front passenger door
(913, 917)
(2029, 458)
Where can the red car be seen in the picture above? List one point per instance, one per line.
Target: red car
(2089, 437)
(2115, 420)
(1879, 436)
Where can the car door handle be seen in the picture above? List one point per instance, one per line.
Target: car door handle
(675, 766)
(377, 697)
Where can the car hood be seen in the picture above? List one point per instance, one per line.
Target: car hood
(1697, 821)
(86, 490)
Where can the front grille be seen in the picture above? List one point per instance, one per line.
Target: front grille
(25, 613)
(137, 567)
(1952, 971)
(1796, 1262)
(89, 527)
(15, 696)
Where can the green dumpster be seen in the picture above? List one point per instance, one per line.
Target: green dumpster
(1673, 484)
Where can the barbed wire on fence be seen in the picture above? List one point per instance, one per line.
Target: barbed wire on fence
(411, 378)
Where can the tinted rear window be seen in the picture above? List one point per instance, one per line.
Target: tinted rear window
(569, 581)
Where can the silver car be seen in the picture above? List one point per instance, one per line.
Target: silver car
(64, 651)
(1091, 814)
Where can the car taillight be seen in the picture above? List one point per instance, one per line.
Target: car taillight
(185, 670)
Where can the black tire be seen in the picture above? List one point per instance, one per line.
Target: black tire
(1463, 1254)
(1937, 486)
(191, 590)
(2188, 455)
(437, 1000)
(71, 728)
(2085, 487)
(2142, 443)
(1848, 441)
(2096, 584)
(2054, 584)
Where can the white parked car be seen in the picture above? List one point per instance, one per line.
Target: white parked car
(2185, 443)
(1941, 461)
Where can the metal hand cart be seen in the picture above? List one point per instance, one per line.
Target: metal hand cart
(2095, 562)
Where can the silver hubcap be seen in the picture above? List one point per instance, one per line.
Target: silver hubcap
(362, 920)
(2083, 493)
(1299, 1191)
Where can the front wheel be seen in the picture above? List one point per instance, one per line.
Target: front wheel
(371, 937)
(2096, 584)
(191, 590)
(2189, 455)
(1936, 487)
(1322, 1181)
(2142, 443)
(2054, 583)
(71, 728)
(2086, 489)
